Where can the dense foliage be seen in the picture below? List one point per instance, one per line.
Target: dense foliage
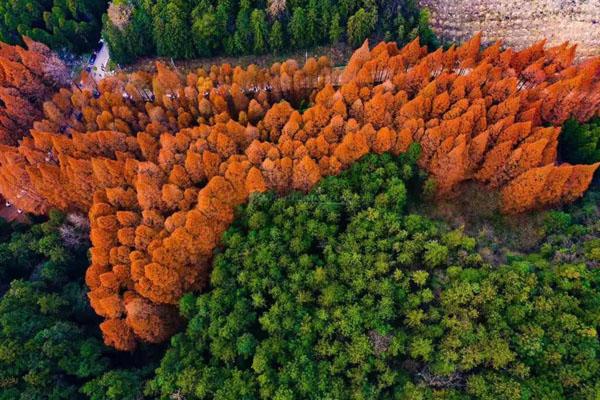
(29, 76)
(50, 345)
(344, 294)
(186, 29)
(160, 161)
(71, 25)
(580, 143)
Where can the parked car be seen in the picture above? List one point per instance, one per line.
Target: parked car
(99, 45)
(93, 58)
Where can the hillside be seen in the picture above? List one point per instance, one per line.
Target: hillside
(519, 24)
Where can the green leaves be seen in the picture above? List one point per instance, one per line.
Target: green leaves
(72, 25)
(343, 294)
(580, 143)
(50, 345)
(244, 27)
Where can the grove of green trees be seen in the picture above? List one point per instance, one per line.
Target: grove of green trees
(50, 345)
(188, 29)
(72, 25)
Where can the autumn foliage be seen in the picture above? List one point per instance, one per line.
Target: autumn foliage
(28, 77)
(161, 161)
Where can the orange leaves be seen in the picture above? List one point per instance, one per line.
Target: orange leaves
(547, 186)
(118, 334)
(352, 148)
(306, 174)
(161, 182)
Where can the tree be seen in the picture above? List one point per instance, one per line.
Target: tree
(243, 29)
(183, 154)
(171, 31)
(373, 283)
(29, 78)
(259, 31)
(335, 30)
(205, 30)
(48, 331)
(298, 28)
(73, 26)
(580, 143)
(276, 37)
(360, 26)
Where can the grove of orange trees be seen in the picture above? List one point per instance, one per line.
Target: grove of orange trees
(160, 161)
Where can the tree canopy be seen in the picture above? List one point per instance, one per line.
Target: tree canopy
(343, 293)
(185, 29)
(71, 25)
(50, 344)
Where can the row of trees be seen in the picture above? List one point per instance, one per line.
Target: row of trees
(161, 161)
(343, 294)
(63, 25)
(185, 29)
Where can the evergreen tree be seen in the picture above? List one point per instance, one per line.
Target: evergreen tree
(360, 26)
(259, 31)
(243, 30)
(276, 37)
(335, 30)
(580, 143)
(313, 22)
(71, 25)
(205, 29)
(298, 28)
(132, 38)
(171, 31)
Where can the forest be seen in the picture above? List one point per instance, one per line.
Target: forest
(300, 230)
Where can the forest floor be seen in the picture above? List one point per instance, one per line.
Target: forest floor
(339, 54)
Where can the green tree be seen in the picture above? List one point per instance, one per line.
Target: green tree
(313, 23)
(134, 39)
(118, 384)
(298, 28)
(321, 295)
(171, 30)
(205, 29)
(276, 37)
(71, 25)
(260, 31)
(243, 30)
(360, 26)
(335, 30)
(50, 344)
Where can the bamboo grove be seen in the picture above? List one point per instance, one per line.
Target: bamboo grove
(160, 161)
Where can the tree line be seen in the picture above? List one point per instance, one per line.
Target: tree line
(186, 29)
